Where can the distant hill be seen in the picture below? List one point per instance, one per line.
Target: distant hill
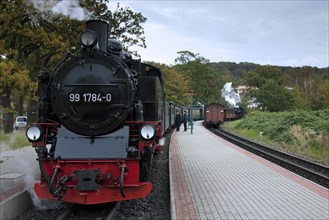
(236, 71)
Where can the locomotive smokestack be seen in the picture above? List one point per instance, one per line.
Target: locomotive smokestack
(101, 30)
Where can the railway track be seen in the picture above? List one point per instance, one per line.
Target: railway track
(313, 171)
(100, 212)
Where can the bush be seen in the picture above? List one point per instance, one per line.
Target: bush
(305, 131)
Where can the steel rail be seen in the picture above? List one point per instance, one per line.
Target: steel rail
(112, 213)
(65, 213)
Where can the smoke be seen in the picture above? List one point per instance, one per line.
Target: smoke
(70, 8)
(230, 95)
(162, 141)
(32, 175)
(40, 204)
(253, 103)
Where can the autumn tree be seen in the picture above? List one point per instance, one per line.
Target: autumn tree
(205, 81)
(13, 81)
(176, 88)
(35, 39)
(14, 48)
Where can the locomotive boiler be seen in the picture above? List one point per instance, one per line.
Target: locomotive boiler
(100, 123)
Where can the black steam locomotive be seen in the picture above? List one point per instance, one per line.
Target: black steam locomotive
(100, 122)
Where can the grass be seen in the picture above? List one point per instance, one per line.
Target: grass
(4, 138)
(301, 133)
(14, 140)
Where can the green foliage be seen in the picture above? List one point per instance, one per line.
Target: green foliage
(324, 94)
(274, 97)
(29, 43)
(124, 24)
(14, 141)
(266, 85)
(302, 132)
(205, 81)
(14, 76)
(274, 124)
(176, 87)
(4, 138)
(234, 72)
(18, 141)
(262, 74)
(305, 83)
(187, 56)
(32, 40)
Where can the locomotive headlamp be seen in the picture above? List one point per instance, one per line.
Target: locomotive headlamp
(34, 133)
(148, 131)
(88, 39)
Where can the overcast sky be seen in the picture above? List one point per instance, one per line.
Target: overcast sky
(285, 33)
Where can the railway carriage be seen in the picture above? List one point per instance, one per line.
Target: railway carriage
(214, 115)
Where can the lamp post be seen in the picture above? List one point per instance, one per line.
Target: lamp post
(191, 115)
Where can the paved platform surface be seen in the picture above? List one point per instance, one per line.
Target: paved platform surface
(18, 170)
(214, 179)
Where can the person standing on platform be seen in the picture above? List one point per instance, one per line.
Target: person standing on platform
(185, 120)
(178, 121)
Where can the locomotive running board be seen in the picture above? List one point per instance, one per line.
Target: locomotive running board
(104, 195)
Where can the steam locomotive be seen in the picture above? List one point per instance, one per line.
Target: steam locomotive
(101, 120)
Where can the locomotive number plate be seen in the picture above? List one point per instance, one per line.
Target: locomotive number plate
(90, 97)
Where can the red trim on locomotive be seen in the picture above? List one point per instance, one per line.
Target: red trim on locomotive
(135, 127)
(108, 180)
(58, 180)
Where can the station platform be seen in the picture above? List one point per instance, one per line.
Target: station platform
(18, 170)
(211, 178)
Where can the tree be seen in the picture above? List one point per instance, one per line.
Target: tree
(13, 47)
(14, 79)
(34, 39)
(124, 24)
(274, 97)
(32, 42)
(204, 80)
(305, 84)
(324, 94)
(262, 74)
(186, 56)
(177, 89)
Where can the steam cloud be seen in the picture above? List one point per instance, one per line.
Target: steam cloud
(162, 141)
(230, 95)
(30, 177)
(69, 8)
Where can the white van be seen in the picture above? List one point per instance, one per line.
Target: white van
(20, 122)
